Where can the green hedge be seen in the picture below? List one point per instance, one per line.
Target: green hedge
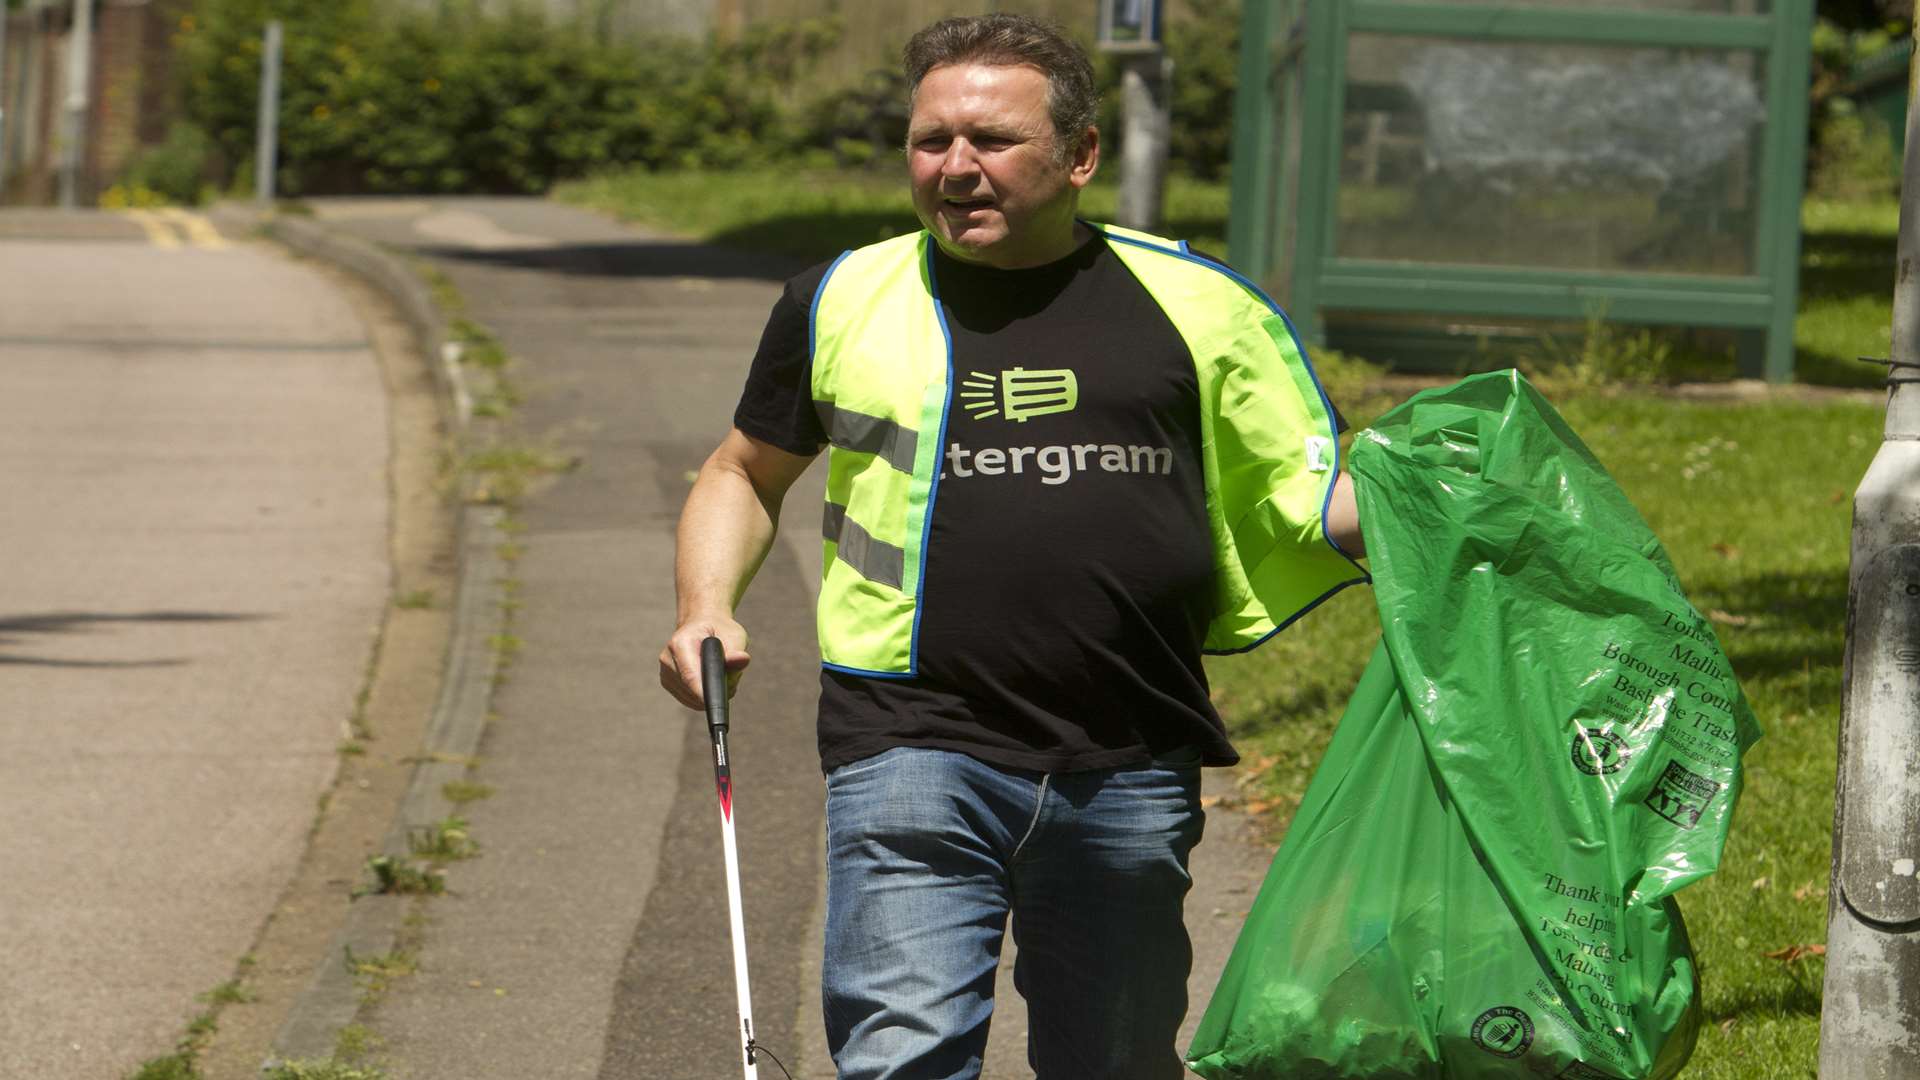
(385, 101)
(379, 100)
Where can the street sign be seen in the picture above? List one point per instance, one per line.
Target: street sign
(1129, 25)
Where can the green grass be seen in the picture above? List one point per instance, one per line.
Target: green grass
(1847, 252)
(815, 216)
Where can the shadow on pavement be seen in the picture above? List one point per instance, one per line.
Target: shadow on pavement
(13, 628)
(632, 260)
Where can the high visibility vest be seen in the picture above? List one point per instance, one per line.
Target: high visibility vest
(881, 381)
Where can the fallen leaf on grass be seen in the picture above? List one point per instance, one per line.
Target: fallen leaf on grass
(1261, 806)
(1726, 1026)
(1208, 802)
(1257, 767)
(1805, 892)
(1792, 953)
(1836, 498)
(1726, 550)
(1728, 618)
(1761, 882)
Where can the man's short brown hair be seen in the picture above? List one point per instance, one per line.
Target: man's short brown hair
(1008, 39)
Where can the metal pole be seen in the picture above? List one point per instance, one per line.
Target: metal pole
(73, 146)
(3, 101)
(1146, 120)
(267, 135)
(1870, 1018)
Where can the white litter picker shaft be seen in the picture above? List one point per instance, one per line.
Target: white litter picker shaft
(713, 684)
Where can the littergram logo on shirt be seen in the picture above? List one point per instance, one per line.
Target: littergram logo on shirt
(1017, 395)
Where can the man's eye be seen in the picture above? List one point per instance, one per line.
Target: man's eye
(933, 144)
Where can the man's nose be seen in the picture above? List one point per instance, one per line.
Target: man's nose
(960, 160)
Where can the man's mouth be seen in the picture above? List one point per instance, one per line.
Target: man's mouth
(965, 205)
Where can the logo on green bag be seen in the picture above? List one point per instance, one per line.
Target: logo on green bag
(1019, 393)
(1597, 751)
(1681, 795)
(1503, 1030)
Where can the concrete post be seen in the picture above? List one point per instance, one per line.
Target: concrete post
(1146, 120)
(3, 102)
(73, 152)
(266, 149)
(1870, 1019)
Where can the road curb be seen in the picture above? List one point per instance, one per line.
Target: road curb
(333, 997)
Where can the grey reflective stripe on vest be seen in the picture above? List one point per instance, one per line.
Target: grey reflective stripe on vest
(876, 560)
(851, 430)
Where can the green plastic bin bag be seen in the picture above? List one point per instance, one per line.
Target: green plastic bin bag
(1544, 749)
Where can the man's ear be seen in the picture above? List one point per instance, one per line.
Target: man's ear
(1086, 158)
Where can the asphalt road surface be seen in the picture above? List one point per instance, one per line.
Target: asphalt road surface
(193, 507)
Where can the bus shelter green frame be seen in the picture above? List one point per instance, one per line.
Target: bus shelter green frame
(1278, 34)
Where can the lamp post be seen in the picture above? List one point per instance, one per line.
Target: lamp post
(1870, 1018)
(74, 129)
(1130, 29)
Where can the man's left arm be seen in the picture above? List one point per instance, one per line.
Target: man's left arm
(1343, 518)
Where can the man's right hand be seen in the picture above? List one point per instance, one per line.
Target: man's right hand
(680, 660)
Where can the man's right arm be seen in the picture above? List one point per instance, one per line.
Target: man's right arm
(726, 529)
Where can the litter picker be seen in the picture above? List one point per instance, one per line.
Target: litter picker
(713, 683)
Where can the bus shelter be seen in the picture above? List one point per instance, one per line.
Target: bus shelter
(1418, 171)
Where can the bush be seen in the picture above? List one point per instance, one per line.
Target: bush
(1206, 51)
(1852, 155)
(460, 101)
(383, 98)
(175, 170)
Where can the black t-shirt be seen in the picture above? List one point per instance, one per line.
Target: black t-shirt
(1069, 563)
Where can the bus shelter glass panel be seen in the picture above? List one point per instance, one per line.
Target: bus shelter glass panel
(1550, 155)
(1710, 7)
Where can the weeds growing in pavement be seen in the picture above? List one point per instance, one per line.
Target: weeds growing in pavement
(184, 1062)
(399, 876)
(461, 792)
(443, 841)
(323, 1070)
(375, 974)
(415, 600)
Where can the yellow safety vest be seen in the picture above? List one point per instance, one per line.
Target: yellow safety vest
(882, 365)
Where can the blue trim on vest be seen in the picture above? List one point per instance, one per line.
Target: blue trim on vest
(939, 453)
(864, 673)
(1306, 361)
(1295, 617)
(813, 314)
(1185, 248)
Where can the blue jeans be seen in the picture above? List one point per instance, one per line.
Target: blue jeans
(927, 854)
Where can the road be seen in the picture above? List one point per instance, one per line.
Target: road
(195, 447)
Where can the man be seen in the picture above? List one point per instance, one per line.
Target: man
(1066, 461)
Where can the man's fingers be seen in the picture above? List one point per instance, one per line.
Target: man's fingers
(673, 683)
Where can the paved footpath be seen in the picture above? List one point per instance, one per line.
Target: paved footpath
(195, 525)
(589, 940)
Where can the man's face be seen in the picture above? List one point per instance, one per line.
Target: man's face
(988, 180)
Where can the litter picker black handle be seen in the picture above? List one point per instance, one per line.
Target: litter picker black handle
(713, 682)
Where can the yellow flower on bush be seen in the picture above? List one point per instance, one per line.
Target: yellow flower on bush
(186, 23)
(431, 86)
(321, 112)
